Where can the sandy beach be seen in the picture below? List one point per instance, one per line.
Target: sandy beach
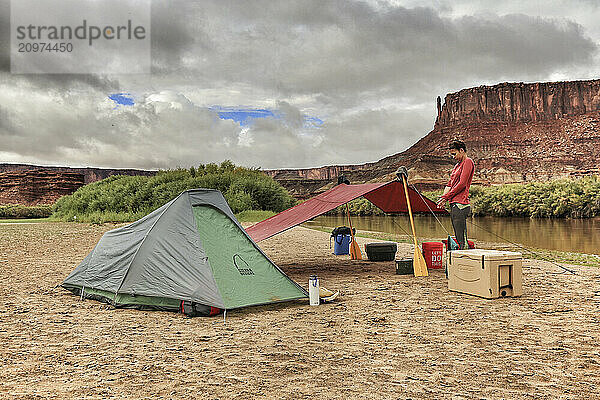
(386, 337)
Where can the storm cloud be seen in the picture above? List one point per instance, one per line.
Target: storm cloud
(371, 71)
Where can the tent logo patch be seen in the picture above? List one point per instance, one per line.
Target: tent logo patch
(241, 265)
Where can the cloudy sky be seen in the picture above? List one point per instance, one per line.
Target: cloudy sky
(288, 84)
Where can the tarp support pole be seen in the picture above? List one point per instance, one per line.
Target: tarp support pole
(419, 266)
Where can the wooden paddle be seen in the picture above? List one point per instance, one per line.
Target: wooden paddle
(419, 266)
(355, 253)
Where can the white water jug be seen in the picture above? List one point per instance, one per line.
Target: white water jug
(313, 290)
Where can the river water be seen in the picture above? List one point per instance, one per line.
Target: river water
(577, 235)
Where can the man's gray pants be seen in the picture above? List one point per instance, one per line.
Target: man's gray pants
(459, 223)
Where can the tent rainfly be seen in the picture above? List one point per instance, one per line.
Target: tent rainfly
(388, 196)
(190, 254)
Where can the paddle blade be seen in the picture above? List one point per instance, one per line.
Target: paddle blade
(355, 253)
(419, 265)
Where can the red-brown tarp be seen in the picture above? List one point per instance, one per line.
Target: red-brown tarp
(389, 197)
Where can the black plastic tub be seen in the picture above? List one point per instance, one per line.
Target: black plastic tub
(383, 251)
(404, 266)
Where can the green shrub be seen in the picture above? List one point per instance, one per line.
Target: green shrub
(239, 201)
(17, 211)
(565, 198)
(126, 198)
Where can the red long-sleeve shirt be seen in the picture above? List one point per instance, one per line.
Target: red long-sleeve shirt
(460, 182)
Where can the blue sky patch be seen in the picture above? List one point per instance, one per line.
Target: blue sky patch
(122, 99)
(312, 122)
(245, 116)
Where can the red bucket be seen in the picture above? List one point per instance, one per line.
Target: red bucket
(433, 253)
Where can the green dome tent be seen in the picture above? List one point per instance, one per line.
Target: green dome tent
(190, 254)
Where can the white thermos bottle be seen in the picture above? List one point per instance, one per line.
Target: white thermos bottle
(313, 290)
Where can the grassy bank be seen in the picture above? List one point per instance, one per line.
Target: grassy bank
(253, 215)
(128, 198)
(17, 211)
(24, 220)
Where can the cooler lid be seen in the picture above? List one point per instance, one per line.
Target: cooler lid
(476, 254)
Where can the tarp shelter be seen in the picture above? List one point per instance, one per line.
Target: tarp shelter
(191, 249)
(388, 196)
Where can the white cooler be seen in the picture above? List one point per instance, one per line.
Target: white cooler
(485, 273)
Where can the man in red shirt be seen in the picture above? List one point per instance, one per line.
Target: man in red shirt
(457, 191)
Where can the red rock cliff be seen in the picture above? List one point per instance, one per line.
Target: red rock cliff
(518, 132)
(32, 185)
(89, 174)
(35, 187)
(519, 102)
